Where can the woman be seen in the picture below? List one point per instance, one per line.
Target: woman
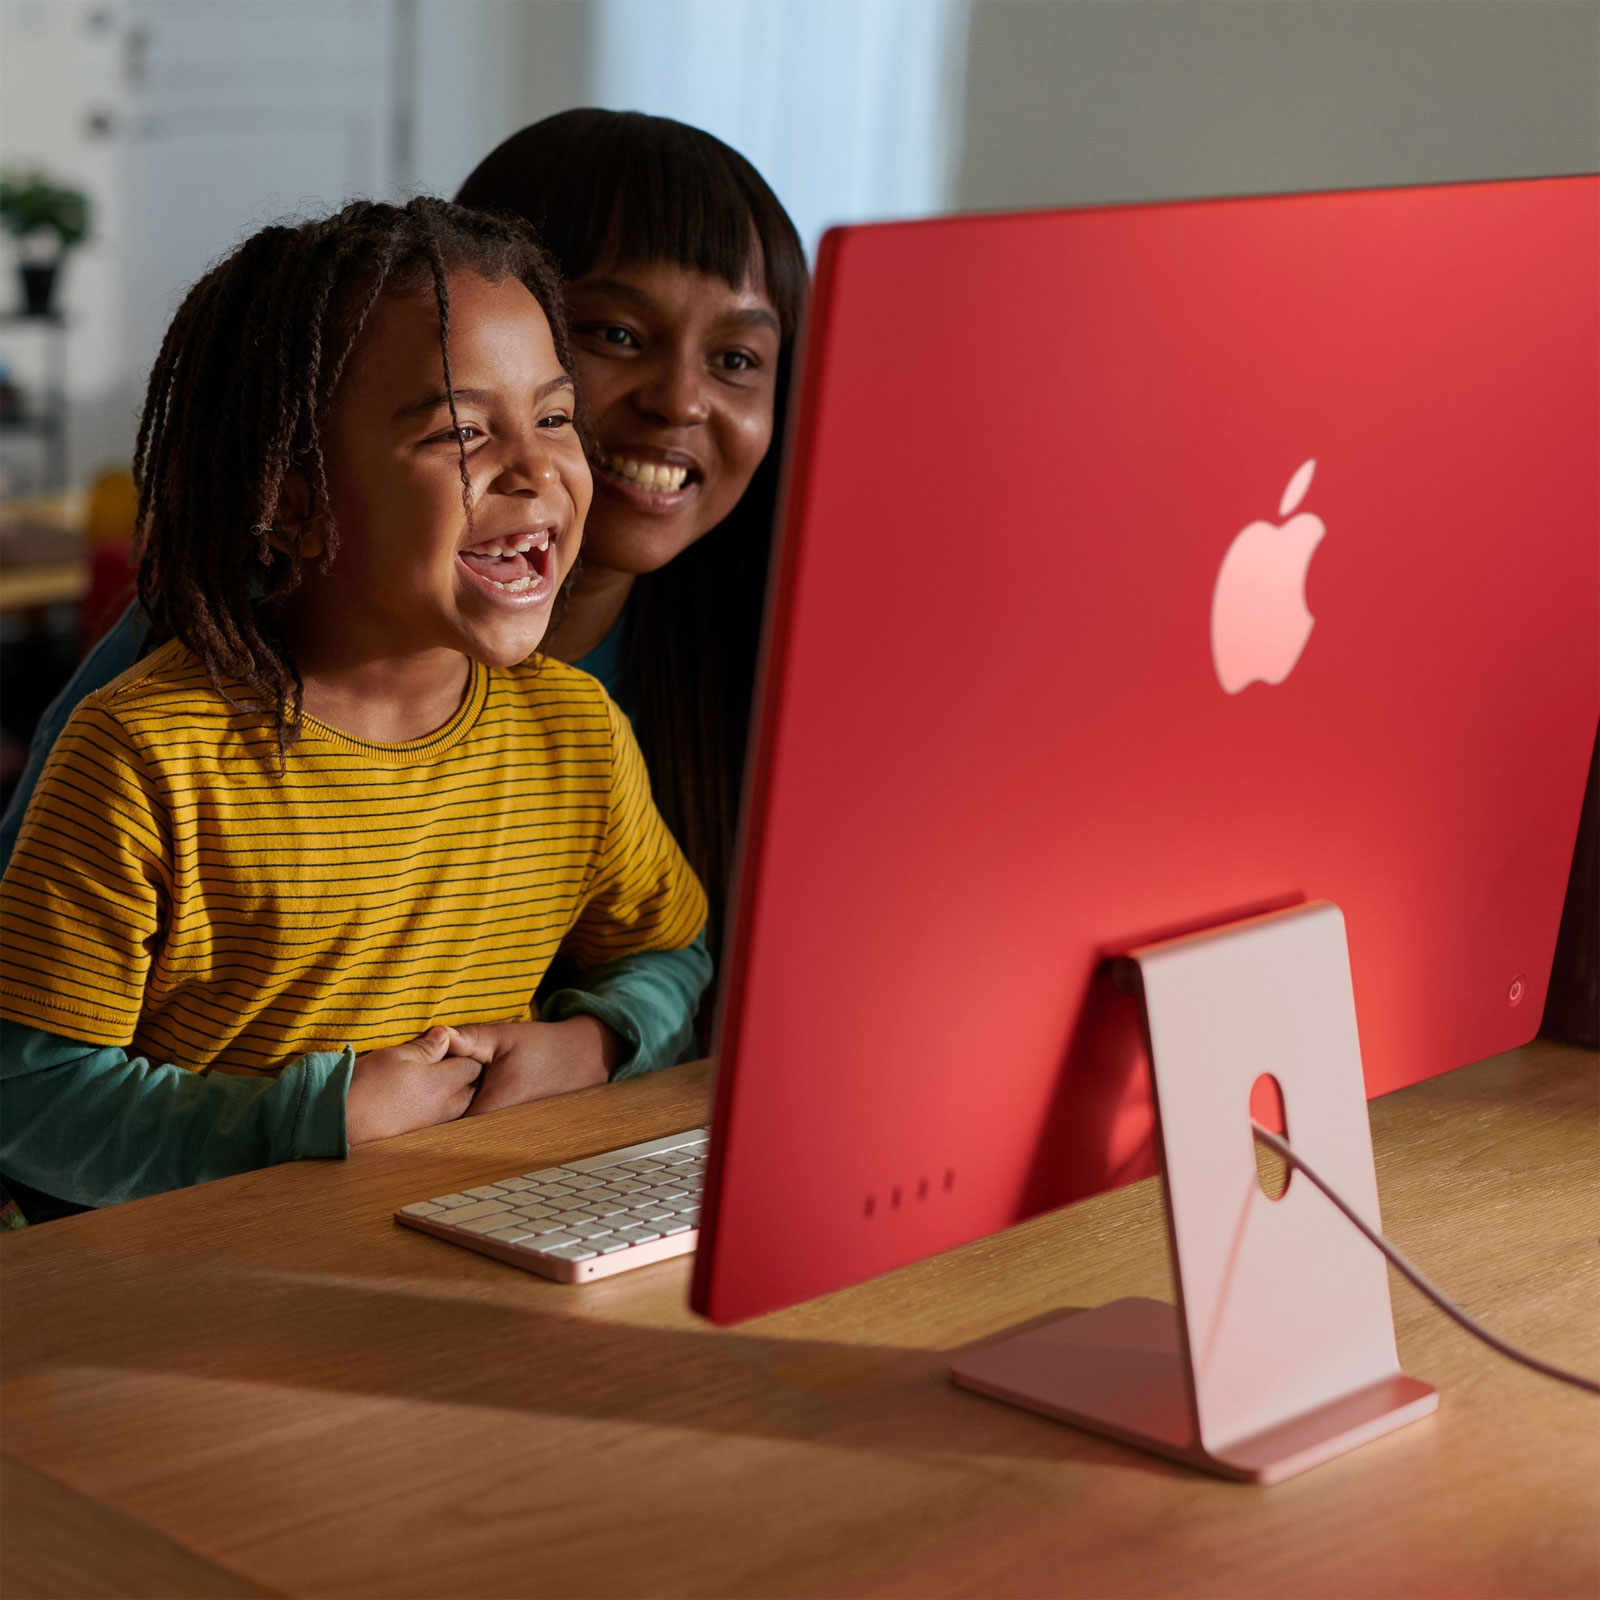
(686, 282)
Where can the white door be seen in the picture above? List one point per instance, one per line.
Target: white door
(243, 112)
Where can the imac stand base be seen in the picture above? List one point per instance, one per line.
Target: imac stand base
(1280, 1351)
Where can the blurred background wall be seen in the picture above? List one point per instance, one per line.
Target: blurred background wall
(189, 122)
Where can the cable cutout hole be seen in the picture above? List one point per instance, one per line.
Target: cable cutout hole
(1266, 1107)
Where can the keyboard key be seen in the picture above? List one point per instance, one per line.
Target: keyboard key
(567, 1202)
(422, 1208)
(638, 1235)
(604, 1208)
(629, 1186)
(471, 1213)
(548, 1242)
(673, 1227)
(692, 1217)
(610, 1245)
(547, 1175)
(650, 1147)
(482, 1224)
(534, 1212)
(487, 1191)
(451, 1200)
(655, 1214)
(580, 1181)
(510, 1235)
(569, 1252)
(589, 1230)
(516, 1183)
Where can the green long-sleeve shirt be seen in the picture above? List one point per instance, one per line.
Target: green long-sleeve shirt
(96, 1126)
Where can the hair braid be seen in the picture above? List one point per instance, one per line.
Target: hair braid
(441, 290)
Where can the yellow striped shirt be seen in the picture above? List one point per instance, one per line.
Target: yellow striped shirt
(172, 893)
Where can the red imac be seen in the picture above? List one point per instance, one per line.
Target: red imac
(1143, 570)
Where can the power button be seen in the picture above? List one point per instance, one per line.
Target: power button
(1517, 989)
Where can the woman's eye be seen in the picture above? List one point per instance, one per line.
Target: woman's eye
(556, 419)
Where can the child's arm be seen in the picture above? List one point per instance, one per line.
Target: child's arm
(87, 900)
(97, 1126)
(639, 946)
(630, 1017)
(94, 1125)
(647, 1000)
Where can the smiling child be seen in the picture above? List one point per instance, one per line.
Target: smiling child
(292, 881)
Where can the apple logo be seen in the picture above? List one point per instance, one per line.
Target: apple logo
(1259, 621)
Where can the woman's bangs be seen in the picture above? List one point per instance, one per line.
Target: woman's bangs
(622, 188)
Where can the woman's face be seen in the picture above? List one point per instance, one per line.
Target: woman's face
(679, 371)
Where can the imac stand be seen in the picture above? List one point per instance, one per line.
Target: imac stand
(1280, 1351)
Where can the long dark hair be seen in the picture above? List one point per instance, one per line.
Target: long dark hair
(626, 188)
(237, 402)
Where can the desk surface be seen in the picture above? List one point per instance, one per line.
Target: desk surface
(264, 1386)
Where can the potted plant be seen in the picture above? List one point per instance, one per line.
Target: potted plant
(48, 221)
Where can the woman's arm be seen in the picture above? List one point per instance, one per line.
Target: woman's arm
(109, 659)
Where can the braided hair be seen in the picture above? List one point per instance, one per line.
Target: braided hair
(238, 400)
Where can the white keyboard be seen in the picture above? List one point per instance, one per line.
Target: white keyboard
(582, 1220)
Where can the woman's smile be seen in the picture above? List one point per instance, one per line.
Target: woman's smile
(651, 480)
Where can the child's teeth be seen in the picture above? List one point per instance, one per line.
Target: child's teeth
(516, 585)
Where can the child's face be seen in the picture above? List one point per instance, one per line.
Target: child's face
(411, 575)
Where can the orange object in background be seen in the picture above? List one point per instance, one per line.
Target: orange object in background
(108, 532)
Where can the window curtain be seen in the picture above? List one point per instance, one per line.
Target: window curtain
(851, 109)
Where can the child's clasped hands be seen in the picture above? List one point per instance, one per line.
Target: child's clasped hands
(450, 1072)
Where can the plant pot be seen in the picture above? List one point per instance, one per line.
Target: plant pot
(38, 287)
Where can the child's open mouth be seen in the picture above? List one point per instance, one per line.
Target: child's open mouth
(518, 567)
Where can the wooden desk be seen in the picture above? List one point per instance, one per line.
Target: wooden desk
(264, 1386)
(43, 558)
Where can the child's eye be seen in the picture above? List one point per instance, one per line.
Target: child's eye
(736, 361)
(465, 434)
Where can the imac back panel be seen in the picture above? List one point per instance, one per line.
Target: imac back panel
(1143, 568)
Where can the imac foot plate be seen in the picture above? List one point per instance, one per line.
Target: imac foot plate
(1118, 1371)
